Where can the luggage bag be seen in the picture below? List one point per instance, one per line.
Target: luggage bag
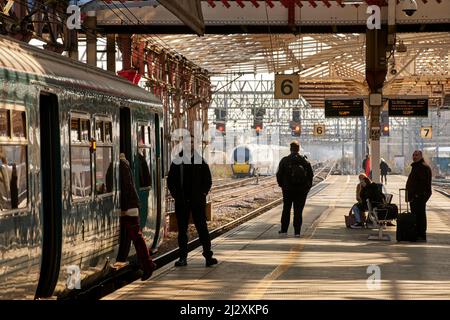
(406, 221)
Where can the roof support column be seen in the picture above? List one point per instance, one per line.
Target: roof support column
(111, 52)
(124, 42)
(376, 70)
(91, 37)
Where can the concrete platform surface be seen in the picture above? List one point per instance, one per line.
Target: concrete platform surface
(329, 261)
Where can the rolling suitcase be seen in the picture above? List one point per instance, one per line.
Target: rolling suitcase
(406, 221)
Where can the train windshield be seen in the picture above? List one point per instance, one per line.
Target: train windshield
(241, 154)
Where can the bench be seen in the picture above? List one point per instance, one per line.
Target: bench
(375, 214)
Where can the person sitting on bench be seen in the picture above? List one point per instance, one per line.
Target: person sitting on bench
(366, 189)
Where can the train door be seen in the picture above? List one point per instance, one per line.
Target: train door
(160, 186)
(50, 194)
(125, 147)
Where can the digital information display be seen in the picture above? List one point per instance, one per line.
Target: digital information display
(344, 108)
(408, 108)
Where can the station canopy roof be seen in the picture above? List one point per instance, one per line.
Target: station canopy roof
(328, 64)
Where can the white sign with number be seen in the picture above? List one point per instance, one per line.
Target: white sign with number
(426, 132)
(319, 129)
(286, 86)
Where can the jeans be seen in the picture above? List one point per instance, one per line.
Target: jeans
(357, 213)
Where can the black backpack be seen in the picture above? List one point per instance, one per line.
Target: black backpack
(296, 172)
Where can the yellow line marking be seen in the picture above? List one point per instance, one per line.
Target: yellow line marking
(261, 289)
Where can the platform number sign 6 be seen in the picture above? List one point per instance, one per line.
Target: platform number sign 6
(426, 132)
(319, 129)
(286, 86)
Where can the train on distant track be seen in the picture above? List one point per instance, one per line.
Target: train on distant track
(62, 127)
(251, 159)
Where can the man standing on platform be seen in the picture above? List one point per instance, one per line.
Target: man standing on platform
(295, 177)
(418, 188)
(189, 182)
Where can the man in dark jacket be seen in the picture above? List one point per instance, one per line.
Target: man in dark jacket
(189, 182)
(129, 220)
(418, 187)
(295, 177)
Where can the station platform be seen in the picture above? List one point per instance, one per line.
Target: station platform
(329, 261)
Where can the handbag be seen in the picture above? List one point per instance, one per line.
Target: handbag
(350, 219)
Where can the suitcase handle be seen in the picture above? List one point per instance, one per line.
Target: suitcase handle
(400, 199)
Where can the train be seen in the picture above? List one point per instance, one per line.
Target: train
(441, 160)
(63, 125)
(252, 159)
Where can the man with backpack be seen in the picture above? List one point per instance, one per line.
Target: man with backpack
(295, 177)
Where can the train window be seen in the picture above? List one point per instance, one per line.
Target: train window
(144, 156)
(103, 170)
(13, 177)
(104, 173)
(4, 123)
(108, 132)
(99, 131)
(13, 161)
(75, 129)
(85, 130)
(145, 177)
(19, 124)
(80, 157)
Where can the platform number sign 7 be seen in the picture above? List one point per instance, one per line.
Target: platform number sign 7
(286, 86)
(319, 129)
(426, 132)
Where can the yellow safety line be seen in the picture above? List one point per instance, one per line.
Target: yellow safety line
(259, 292)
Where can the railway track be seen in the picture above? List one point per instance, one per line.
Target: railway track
(442, 186)
(130, 273)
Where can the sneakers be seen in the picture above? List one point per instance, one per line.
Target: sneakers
(297, 235)
(282, 233)
(390, 224)
(148, 273)
(210, 261)
(358, 225)
(182, 262)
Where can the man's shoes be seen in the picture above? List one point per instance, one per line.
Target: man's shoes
(181, 262)
(390, 224)
(282, 233)
(148, 272)
(210, 261)
(297, 235)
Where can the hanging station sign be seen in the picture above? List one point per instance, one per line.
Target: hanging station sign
(408, 108)
(338, 108)
(287, 86)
